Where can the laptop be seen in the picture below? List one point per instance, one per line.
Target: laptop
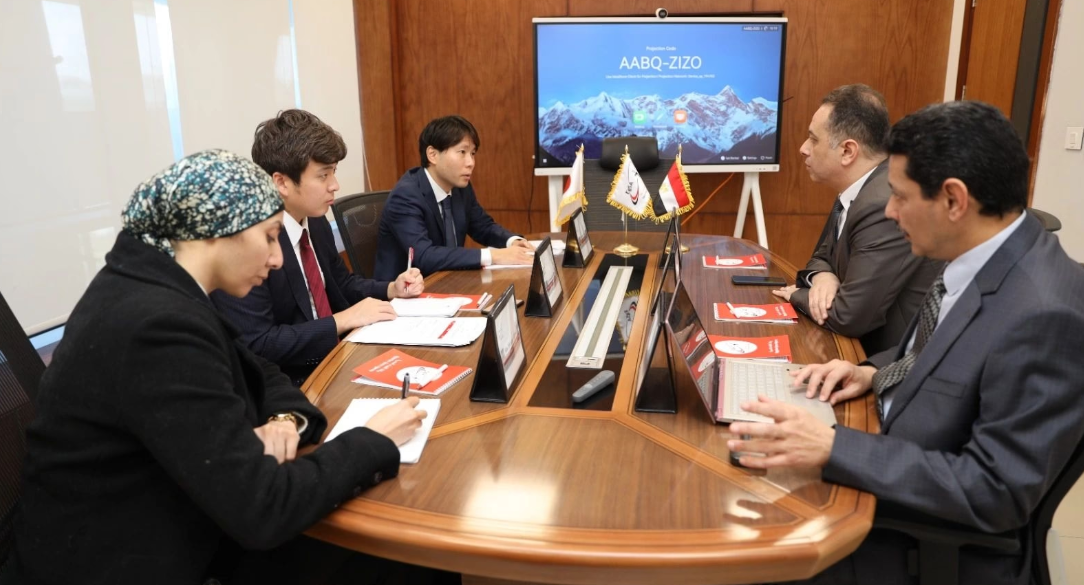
(723, 384)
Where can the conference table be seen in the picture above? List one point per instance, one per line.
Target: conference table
(547, 491)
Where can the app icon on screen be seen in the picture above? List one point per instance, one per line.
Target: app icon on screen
(680, 116)
(639, 117)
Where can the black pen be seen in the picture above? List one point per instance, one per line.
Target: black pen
(406, 384)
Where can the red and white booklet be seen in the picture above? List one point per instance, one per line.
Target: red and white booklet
(775, 348)
(388, 369)
(755, 261)
(777, 313)
(467, 302)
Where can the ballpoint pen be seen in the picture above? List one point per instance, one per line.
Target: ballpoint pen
(731, 307)
(406, 384)
(410, 258)
(440, 370)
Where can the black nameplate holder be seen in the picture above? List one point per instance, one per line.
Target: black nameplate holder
(578, 247)
(546, 290)
(503, 358)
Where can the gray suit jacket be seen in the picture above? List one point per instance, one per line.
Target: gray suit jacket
(881, 283)
(990, 412)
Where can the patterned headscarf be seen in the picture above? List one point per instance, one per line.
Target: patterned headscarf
(209, 194)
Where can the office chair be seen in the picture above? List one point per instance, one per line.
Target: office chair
(358, 217)
(20, 374)
(939, 541)
(1049, 221)
(598, 176)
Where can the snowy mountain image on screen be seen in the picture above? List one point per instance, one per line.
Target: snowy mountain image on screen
(717, 125)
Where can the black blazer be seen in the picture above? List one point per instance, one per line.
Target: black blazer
(276, 319)
(411, 217)
(142, 459)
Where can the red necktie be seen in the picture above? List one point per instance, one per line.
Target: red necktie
(312, 274)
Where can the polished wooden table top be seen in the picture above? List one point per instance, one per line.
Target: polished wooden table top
(560, 495)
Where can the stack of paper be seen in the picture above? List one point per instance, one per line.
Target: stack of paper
(362, 409)
(425, 307)
(438, 331)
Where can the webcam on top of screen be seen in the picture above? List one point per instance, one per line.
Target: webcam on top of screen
(661, 13)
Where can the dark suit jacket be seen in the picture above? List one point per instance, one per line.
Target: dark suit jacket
(411, 217)
(881, 283)
(276, 319)
(989, 413)
(142, 459)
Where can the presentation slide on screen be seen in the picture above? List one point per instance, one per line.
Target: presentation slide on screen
(712, 88)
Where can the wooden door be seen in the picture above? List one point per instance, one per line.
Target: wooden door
(990, 52)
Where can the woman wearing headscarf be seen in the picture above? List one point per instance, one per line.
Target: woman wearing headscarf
(159, 438)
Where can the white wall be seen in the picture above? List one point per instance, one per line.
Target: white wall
(98, 95)
(1059, 178)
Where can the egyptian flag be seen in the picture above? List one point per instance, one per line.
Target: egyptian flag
(676, 195)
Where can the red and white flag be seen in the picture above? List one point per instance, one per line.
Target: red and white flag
(573, 198)
(628, 193)
(676, 195)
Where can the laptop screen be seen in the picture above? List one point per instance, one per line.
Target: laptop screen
(692, 346)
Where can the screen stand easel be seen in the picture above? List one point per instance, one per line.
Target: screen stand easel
(751, 186)
(556, 190)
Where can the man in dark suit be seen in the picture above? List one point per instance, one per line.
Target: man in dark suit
(862, 280)
(981, 400)
(433, 209)
(287, 320)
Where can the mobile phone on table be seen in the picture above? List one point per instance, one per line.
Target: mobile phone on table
(744, 279)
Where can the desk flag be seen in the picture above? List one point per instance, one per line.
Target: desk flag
(675, 193)
(628, 192)
(573, 197)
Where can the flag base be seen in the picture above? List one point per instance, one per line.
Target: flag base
(626, 250)
(684, 248)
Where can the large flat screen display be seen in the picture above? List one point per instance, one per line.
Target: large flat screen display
(709, 85)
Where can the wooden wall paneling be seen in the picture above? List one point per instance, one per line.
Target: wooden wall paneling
(788, 234)
(994, 51)
(375, 30)
(647, 7)
(475, 58)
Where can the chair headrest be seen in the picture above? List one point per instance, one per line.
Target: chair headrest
(644, 151)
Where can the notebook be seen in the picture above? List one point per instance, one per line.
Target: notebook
(777, 313)
(755, 261)
(775, 348)
(387, 371)
(362, 409)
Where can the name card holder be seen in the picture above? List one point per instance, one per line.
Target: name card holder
(545, 290)
(578, 247)
(656, 392)
(503, 356)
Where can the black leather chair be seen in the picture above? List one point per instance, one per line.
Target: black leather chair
(598, 176)
(939, 542)
(20, 373)
(1049, 221)
(358, 217)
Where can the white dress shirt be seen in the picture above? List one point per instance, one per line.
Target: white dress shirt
(293, 231)
(958, 275)
(441, 194)
(846, 198)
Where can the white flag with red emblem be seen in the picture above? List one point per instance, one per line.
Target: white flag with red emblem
(628, 192)
(573, 197)
(675, 193)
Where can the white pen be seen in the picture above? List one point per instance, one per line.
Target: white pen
(440, 371)
(731, 307)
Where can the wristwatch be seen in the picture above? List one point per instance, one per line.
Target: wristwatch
(285, 416)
